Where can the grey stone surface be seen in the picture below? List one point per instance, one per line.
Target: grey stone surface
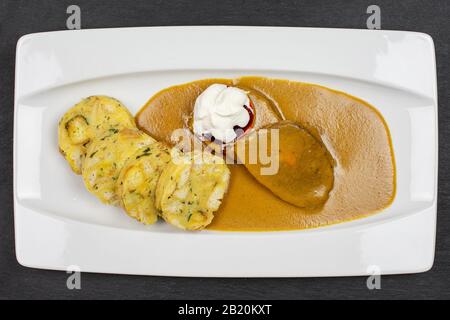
(20, 17)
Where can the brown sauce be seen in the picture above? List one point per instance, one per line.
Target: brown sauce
(353, 131)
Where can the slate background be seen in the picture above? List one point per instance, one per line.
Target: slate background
(21, 17)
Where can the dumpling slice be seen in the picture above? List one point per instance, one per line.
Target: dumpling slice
(105, 158)
(88, 119)
(191, 188)
(137, 181)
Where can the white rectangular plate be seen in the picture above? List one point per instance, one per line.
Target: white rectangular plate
(59, 224)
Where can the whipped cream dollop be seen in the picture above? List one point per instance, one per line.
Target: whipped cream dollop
(218, 110)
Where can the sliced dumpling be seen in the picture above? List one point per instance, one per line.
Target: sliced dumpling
(88, 119)
(191, 189)
(137, 182)
(105, 158)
